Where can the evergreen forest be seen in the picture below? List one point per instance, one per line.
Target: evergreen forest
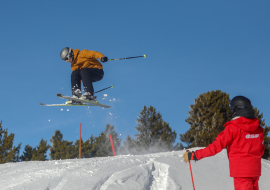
(207, 116)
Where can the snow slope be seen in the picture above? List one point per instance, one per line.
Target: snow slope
(148, 172)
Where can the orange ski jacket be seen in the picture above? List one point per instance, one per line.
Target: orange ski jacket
(245, 147)
(86, 59)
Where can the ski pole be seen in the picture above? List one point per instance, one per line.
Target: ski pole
(104, 89)
(191, 174)
(127, 58)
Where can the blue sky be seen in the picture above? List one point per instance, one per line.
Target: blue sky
(192, 47)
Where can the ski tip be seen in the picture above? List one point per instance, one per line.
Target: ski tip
(111, 86)
(42, 104)
(59, 95)
(144, 56)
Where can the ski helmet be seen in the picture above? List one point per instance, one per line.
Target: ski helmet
(66, 53)
(241, 106)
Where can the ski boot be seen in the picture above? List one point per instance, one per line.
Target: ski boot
(89, 96)
(76, 94)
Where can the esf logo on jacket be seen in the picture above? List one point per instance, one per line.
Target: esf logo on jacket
(252, 136)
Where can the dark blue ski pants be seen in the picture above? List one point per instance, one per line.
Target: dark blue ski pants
(87, 76)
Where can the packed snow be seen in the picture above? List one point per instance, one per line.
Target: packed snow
(158, 171)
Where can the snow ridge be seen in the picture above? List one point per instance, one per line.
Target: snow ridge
(159, 176)
(150, 176)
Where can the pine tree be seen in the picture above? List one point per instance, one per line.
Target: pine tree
(116, 141)
(206, 118)
(39, 153)
(61, 149)
(103, 146)
(266, 143)
(87, 148)
(153, 131)
(266, 131)
(27, 154)
(75, 148)
(8, 152)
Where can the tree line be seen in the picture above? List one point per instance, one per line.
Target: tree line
(207, 116)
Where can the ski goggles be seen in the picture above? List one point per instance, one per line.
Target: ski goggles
(236, 108)
(66, 58)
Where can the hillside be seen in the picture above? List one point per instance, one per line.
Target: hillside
(148, 172)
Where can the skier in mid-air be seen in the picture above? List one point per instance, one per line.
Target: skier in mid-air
(85, 67)
(243, 137)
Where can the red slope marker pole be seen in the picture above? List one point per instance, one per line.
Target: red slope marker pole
(112, 145)
(191, 174)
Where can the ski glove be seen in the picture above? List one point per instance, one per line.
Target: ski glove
(104, 59)
(189, 156)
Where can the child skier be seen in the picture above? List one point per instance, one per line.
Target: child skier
(243, 138)
(85, 67)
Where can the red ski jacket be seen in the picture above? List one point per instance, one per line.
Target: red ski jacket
(245, 147)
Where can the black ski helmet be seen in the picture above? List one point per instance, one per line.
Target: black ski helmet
(241, 106)
(66, 53)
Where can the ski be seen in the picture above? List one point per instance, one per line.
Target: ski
(80, 101)
(65, 104)
(90, 103)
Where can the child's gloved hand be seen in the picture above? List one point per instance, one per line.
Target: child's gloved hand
(104, 59)
(189, 156)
